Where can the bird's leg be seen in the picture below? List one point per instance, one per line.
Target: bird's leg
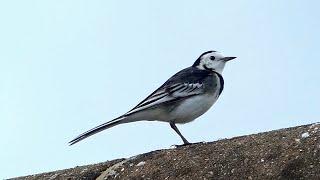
(174, 127)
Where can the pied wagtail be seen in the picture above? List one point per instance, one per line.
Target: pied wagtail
(182, 98)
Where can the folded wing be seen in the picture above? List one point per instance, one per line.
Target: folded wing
(166, 93)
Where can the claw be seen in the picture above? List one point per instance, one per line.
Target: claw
(181, 145)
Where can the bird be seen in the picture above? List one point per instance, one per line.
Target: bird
(181, 99)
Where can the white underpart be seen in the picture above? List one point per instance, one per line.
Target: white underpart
(194, 107)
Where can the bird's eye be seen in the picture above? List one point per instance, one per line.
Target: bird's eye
(212, 57)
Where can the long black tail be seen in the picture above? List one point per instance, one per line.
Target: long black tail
(97, 129)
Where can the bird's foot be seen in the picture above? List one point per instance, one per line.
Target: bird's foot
(181, 145)
(187, 144)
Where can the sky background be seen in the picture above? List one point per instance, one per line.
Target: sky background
(67, 66)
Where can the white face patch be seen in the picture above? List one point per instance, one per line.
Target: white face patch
(208, 62)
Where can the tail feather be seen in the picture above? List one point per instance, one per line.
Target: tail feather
(97, 129)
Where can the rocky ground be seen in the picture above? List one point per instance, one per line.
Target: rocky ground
(292, 153)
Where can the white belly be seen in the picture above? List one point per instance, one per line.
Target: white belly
(192, 108)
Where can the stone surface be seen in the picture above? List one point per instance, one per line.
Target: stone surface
(292, 153)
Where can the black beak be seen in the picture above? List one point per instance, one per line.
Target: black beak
(228, 58)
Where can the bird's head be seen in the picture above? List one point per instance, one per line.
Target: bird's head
(212, 61)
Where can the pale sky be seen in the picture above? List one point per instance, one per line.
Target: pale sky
(67, 66)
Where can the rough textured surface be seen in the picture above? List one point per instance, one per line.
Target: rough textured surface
(79, 172)
(292, 153)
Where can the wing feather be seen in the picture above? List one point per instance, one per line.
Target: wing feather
(168, 93)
